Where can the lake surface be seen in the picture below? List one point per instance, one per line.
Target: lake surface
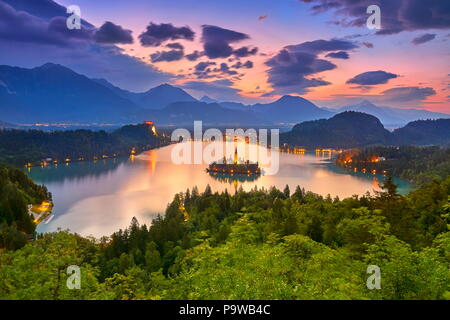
(98, 198)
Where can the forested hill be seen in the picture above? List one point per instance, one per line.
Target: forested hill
(423, 132)
(345, 130)
(19, 147)
(17, 191)
(352, 129)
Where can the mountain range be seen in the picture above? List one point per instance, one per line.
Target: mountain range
(52, 93)
(392, 116)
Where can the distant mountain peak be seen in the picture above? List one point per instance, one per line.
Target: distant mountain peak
(289, 98)
(55, 68)
(365, 103)
(50, 65)
(162, 95)
(207, 99)
(390, 115)
(163, 85)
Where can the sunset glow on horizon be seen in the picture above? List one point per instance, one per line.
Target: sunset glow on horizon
(257, 51)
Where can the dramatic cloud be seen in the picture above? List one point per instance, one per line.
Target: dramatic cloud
(239, 65)
(423, 38)
(112, 33)
(367, 45)
(172, 55)
(245, 52)
(58, 26)
(44, 9)
(338, 55)
(35, 33)
(201, 66)
(224, 68)
(291, 69)
(216, 41)
(156, 34)
(194, 55)
(319, 46)
(397, 16)
(404, 94)
(19, 26)
(175, 45)
(372, 78)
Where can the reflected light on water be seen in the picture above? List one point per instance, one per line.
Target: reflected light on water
(99, 199)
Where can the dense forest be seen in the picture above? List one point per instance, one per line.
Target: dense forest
(263, 244)
(345, 130)
(423, 132)
(352, 129)
(420, 165)
(17, 191)
(19, 147)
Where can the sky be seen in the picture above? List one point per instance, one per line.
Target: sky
(245, 50)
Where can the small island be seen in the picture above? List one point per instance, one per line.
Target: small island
(234, 167)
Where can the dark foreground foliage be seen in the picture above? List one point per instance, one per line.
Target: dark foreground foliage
(263, 244)
(17, 191)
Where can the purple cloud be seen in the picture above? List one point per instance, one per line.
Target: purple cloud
(291, 69)
(423, 38)
(172, 55)
(156, 34)
(216, 41)
(319, 46)
(245, 52)
(112, 33)
(397, 16)
(338, 55)
(239, 65)
(201, 66)
(404, 94)
(372, 78)
(175, 45)
(367, 45)
(35, 33)
(224, 68)
(194, 56)
(20, 26)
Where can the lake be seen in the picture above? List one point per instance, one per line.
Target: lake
(98, 198)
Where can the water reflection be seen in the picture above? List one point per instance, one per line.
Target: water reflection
(99, 198)
(231, 178)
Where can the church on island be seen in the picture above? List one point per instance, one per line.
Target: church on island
(234, 167)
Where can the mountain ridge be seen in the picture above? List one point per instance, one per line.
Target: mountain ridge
(393, 116)
(351, 129)
(53, 93)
